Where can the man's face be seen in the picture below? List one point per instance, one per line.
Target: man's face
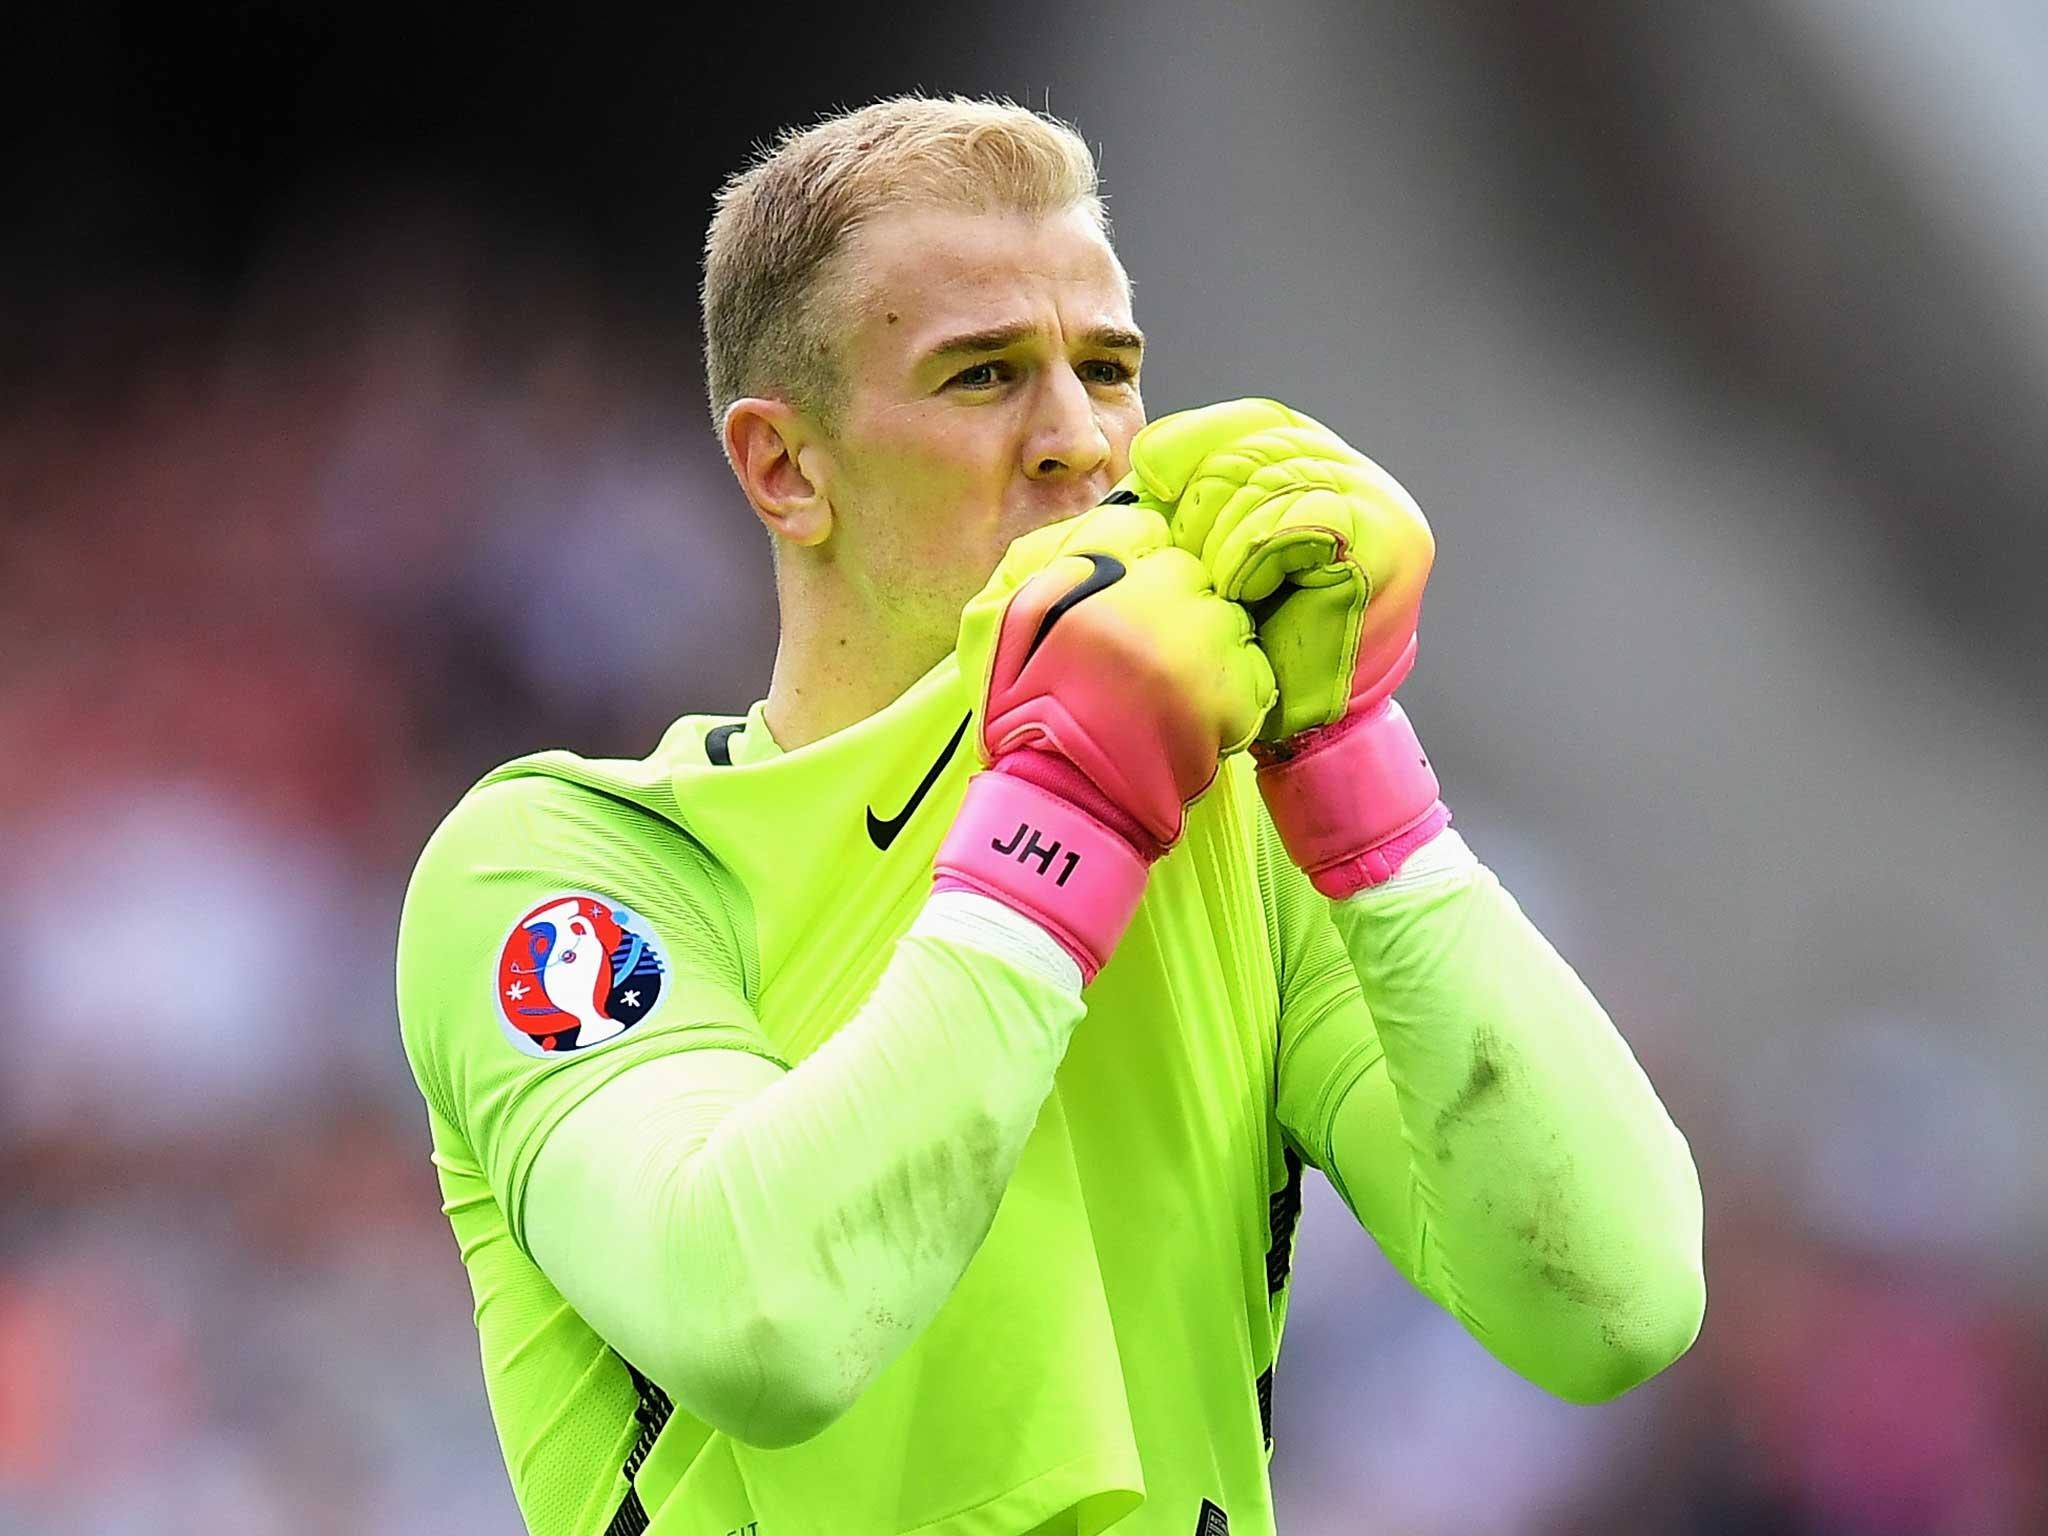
(991, 369)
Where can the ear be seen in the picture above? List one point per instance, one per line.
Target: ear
(775, 452)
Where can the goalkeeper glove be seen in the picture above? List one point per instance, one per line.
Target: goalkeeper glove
(1330, 555)
(1111, 680)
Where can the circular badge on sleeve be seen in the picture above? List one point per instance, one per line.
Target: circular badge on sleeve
(576, 971)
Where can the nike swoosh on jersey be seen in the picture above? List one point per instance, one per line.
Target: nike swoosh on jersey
(883, 832)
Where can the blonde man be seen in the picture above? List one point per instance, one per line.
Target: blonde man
(966, 1016)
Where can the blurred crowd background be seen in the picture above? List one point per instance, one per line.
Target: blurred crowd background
(352, 440)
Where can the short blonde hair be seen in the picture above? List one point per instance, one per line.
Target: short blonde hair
(771, 322)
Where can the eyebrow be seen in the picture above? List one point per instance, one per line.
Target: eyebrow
(1000, 338)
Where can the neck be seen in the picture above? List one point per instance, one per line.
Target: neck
(839, 659)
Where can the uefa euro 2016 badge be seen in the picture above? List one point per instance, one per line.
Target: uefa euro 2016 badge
(575, 972)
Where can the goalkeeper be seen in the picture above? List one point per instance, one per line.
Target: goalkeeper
(886, 1111)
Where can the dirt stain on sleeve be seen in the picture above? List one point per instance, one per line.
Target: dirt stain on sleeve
(1481, 1083)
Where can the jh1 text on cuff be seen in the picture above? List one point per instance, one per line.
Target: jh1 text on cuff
(1040, 854)
(1352, 800)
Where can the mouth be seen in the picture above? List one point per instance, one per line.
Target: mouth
(1059, 509)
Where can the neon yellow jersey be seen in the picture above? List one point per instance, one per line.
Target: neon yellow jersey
(1107, 1357)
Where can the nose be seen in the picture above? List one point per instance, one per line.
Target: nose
(1066, 440)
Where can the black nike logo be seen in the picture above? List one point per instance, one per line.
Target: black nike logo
(882, 833)
(1106, 571)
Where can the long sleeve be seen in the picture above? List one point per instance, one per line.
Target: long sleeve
(762, 1242)
(1485, 1121)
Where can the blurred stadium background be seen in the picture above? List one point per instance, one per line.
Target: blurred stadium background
(352, 440)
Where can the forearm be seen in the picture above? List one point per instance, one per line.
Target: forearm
(1539, 1190)
(765, 1247)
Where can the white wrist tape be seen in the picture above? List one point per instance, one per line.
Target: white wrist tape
(994, 928)
(1441, 857)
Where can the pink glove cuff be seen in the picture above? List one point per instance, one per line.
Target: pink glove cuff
(1062, 779)
(1043, 856)
(1353, 800)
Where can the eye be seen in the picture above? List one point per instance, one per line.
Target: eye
(1108, 370)
(981, 376)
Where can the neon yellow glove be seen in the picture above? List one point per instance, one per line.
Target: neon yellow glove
(1324, 547)
(1330, 556)
(1111, 680)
